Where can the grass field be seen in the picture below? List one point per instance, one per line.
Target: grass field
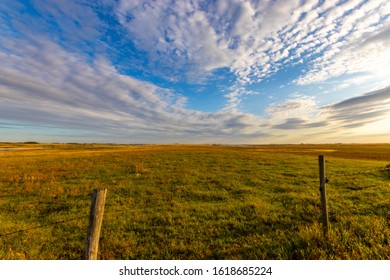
(194, 202)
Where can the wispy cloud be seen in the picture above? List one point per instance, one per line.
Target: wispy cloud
(344, 35)
(298, 107)
(255, 39)
(113, 67)
(52, 86)
(361, 110)
(304, 113)
(297, 123)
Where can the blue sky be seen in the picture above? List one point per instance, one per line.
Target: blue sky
(237, 72)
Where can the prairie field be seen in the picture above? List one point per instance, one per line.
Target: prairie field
(195, 201)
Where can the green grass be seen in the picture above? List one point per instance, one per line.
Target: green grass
(195, 202)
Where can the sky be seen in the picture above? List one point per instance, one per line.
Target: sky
(223, 71)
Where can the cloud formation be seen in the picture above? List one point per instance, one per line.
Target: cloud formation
(52, 86)
(255, 39)
(361, 110)
(304, 113)
(111, 68)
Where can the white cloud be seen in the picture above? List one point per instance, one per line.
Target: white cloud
(362, 115)
(360, 110)
(296, 107)
(44, 84)
(254, 39)
(192, 39)
(51, 72)
(344, 52)
(205, 36)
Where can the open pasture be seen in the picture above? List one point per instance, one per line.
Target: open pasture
(195, 201)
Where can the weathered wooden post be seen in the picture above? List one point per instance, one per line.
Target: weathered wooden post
(324, 206)
(95, 223)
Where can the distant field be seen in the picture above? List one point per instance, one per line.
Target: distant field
(194, 201)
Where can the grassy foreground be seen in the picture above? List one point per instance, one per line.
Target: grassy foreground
(195, 202)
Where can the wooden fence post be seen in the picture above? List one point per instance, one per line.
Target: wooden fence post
(95, 223)
(324, 207)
